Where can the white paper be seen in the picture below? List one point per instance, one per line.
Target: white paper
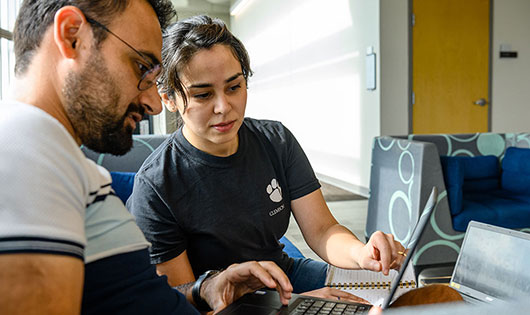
(371, 286)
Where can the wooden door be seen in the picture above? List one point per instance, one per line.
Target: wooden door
(450, 66)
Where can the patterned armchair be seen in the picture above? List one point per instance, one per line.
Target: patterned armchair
(404, 170)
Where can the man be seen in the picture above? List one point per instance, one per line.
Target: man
(85, 74)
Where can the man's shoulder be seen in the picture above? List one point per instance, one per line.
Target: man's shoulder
(37, 138)
(49, 182)
(20, 122)
(18, 113)
(45, 187)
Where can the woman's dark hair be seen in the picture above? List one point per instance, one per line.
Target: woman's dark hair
(183, 39)
(37, 15)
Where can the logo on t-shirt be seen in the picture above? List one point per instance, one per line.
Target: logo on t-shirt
(274, 190)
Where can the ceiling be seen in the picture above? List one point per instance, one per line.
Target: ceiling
(186, 3)
(219, 1)
(210, 7)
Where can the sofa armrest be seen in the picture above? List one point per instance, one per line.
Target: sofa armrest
(403, 173)
(396, 181)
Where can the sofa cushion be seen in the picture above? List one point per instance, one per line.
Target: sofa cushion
(480, 167)
(122, 183)
(516, 170)
(484, 184)
(468, 174)
(454, 182)
(497, 207)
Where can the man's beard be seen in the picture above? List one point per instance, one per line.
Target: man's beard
(92, 105)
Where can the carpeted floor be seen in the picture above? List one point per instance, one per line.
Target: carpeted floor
(334, 193)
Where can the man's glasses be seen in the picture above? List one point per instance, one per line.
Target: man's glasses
(150, 76)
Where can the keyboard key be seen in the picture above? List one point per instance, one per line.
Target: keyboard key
(317, 307)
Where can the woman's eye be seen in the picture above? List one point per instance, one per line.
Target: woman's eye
(201, 95)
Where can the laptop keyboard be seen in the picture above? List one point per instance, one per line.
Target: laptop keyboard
(317, 307)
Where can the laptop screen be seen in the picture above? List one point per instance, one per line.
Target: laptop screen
(494, 261)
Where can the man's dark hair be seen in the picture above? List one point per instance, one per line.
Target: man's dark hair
(37, 15)
(183, 39)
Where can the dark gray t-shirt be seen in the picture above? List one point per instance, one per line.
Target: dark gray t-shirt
(222, 210)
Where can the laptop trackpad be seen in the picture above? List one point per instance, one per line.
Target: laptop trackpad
(254, 309)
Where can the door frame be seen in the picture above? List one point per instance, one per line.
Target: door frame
(490, 63)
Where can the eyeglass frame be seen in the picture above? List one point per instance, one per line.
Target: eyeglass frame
(155, 69)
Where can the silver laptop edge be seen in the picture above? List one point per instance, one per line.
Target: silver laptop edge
(413, 242)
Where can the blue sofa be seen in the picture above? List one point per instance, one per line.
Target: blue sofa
(405, 168)
(481, 188)
(123, 169)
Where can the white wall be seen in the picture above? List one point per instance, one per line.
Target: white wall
(298, 46)
(308, 57)
(511, 77)
(189, 8)
(394, 67)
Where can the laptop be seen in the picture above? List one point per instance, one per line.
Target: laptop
(493, 264)
(267, 302)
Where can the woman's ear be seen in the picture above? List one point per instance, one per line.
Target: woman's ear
(169, 102)
(67, 30)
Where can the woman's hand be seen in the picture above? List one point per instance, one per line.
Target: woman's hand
(381, 253)
(335, 294)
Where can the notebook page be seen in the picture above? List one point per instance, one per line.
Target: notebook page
(369, 285)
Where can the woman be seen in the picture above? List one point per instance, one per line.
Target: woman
(222, 188)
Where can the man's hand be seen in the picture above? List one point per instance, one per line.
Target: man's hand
(335, 294)
(239, 279)
(381, 253)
